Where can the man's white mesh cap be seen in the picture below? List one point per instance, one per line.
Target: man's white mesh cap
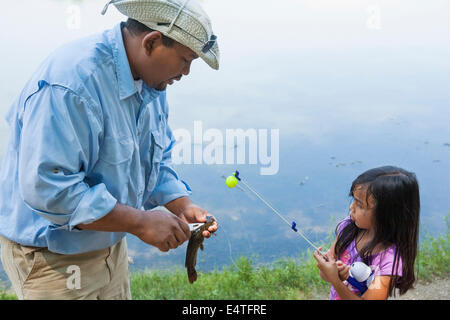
(181, 20)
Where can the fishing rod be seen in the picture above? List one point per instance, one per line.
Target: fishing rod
(232, 182)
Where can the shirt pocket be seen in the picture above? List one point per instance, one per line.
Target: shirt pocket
(114, 164)
(116, 150)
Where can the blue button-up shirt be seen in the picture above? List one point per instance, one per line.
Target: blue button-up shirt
(84, 136)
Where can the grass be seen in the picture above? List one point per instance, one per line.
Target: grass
(285, 279)
(433, 259)
(6, 294)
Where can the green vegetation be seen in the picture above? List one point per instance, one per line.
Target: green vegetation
(433, 260)
(283, 279)
(6, 294)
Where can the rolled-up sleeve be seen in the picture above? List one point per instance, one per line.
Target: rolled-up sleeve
(169, 186)
(59, 144)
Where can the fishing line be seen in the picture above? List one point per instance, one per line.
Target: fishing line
(229, 247)
(232, 183)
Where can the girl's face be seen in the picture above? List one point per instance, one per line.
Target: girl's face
(362, 208)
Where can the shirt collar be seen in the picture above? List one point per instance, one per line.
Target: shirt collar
(127, 85)
(123, 71)
(139, 86)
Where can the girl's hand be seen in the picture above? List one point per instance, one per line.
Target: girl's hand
(343, 270)
(328, 269)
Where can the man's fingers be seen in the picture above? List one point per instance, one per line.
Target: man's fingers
(164, 247)
(173, 242)
(180, 236)
(200, 214)
(213, 228)
(184, 229)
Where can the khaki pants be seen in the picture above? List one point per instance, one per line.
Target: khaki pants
(37, 273)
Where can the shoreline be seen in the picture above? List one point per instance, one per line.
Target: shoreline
(436, 289)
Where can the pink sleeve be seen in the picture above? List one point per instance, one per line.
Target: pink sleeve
(343, 224)
(384, 262)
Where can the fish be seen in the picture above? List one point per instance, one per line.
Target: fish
(195, 242)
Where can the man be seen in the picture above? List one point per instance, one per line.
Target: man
(90, 148)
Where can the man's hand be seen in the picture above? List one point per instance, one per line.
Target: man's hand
(162, 229)
(189, 212)
(193, 214)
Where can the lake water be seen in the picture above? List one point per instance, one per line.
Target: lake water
(350, 85)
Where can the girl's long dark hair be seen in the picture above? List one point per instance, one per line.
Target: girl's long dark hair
(396, 220)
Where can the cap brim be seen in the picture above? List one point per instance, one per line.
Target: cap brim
(211, 57)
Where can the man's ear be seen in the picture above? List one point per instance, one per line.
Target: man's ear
(150, 41)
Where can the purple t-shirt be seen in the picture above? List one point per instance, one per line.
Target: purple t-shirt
(382, 262)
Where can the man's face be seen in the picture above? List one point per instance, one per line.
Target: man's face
(161, 65)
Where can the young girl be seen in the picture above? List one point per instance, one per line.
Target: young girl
(381, 231)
